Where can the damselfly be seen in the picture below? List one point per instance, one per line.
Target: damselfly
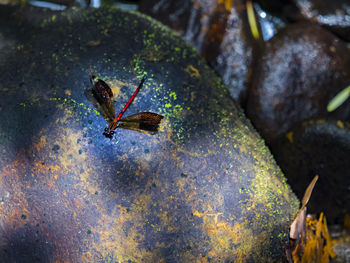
(147, 122)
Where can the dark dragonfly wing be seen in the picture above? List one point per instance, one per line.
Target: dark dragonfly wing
(144, 117)
(104, 96)
(147, 122)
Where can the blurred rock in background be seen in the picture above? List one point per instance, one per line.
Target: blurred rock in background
(219, 30)
(333, 15)
(320, 147)
(301, 69)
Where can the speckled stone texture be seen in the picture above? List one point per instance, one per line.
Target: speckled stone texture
(205, 188)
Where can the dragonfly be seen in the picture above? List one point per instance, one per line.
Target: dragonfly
(146, 122)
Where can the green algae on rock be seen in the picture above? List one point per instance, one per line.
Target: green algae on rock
(205, 188)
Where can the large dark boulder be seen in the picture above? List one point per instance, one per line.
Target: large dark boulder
(205, 188)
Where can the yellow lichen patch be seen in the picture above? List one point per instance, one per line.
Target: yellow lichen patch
(11, 185)
(64, 162)
(115, 240)
(214, 215)
(41, 169)
(187, 256)
(192, 71)
(58, 157)
(223, 235)
(181, 183)
(41, 144)
(70, 151)
(69, 147)
(167, 220)
(249, 245)
(318, 245)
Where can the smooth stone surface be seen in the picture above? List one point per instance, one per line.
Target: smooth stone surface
(205, 188)
(302, 68)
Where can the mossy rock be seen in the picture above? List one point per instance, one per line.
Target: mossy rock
(204, 189)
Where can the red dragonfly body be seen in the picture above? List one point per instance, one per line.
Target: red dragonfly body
(144, 122)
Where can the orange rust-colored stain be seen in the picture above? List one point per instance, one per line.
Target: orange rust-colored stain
(192, 71)
(12, 185)
(198, 214)
(114, 241)
(41, 144)
(223, 234)
(69, 205)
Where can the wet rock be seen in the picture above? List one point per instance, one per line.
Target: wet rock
(220, 32)
(205, 188)
(302, 68)
(319, 148)
(334, 15)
